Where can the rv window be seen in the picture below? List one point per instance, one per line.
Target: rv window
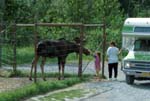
(142, 45)
(128, 42)
(137, 45)
(142, 29)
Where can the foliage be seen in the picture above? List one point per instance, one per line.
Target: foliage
(61, 11)
(135, 8)
(17, 11)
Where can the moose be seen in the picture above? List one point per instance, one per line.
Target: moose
(55, 48)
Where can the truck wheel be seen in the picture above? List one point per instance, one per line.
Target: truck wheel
(129, 79)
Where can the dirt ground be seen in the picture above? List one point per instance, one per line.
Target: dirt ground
(7, 84)
(13, 83)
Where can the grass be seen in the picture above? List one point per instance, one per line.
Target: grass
(65, 94)
(37, 88)
(26, 74)
(26, 54)
(23, 55)
(41, 87)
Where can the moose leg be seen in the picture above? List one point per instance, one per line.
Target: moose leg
(30, 76)
(34, 63)
(42, 67)
(63, 67)
(59, 68)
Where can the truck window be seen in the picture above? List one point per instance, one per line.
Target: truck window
(137, 45)
(142, 45)
(142, 29)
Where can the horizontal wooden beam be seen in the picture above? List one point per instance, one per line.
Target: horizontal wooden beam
(25, 25)
(93, 25)
(60, 24)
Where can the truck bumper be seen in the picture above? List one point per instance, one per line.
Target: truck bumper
(137, 73)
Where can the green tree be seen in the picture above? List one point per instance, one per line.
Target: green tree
(109, 11)
(66, 11)
(80, 10)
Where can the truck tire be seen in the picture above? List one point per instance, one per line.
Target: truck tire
(129, 79)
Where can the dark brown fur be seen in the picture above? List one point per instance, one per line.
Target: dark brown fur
(55, 48)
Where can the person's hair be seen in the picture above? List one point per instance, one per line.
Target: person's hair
(99, 54)
(113, 43)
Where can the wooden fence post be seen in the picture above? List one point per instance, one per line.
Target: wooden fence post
(81, 50)
(104, 48)
(14, 49)
(35, 51)
(1, 28)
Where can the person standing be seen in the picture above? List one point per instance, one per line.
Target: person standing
(112, 54)
(97, 62)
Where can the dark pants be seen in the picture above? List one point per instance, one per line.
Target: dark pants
(111, 67)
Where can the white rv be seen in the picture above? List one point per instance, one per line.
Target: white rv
(136, 40)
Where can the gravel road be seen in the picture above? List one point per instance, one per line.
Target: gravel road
(120, 91)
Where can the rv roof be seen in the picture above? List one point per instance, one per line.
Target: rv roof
(137, 22)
